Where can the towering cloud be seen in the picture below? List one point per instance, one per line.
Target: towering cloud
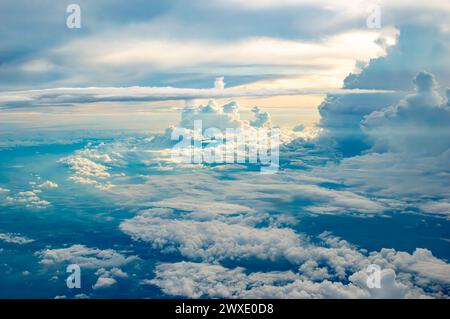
(418, 48)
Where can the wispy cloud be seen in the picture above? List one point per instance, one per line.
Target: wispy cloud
(58, 96)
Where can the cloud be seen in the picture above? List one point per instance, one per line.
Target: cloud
(419, 47)
(408, 151)
(86, 168)
(299, 128)
(60, 96)
(85, 257)
(48, 185)
(108, 278)
(15, 239)
(380, 150)
(195, 280)
(403, 276)
(104, 282)
(159, 43)
(419, 124)
(262, 119)
(436, 207)
(215, 241)
(210, 240)
(407, 181)
(322, 265)
(421, 262)
(29, 199)
(305, 192)
(212, 116)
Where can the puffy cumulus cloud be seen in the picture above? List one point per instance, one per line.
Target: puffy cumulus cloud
(90, 166)
(222, 117)
(48, 185)
(341, 118)
(409, 153)
(15, 239)
(389, 287)
(213, 240)
(323, 265)
(395, 146)
(104, 282)
(29, 199)
(413, 279)
(3, 190)
(212, 115)
(210, 240)
(229, 136)
(262, 119)
(108, 278)
(195, 280)
(422, 263)
(418, 125)
(86, 167)
(419, 47)
(85, 257)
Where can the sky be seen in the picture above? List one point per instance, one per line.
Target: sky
(358, 91)
(270, 53)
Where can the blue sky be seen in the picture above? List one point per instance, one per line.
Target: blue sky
(87, 176)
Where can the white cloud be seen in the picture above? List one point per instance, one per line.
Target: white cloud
(212, 115)
(163, 54)
(15, 239)
(436, 207)
(262, 119)
(418, 125)
(210, 240)
(104, 282)
(195, 280)
(48, 185)
(29, 199)
(421, 262)
(86, 167)
(84, 257)
(89, 167)
(321, 266)
(58, 96)
(409, 152)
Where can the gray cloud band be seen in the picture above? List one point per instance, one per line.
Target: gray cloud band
(57, 96)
